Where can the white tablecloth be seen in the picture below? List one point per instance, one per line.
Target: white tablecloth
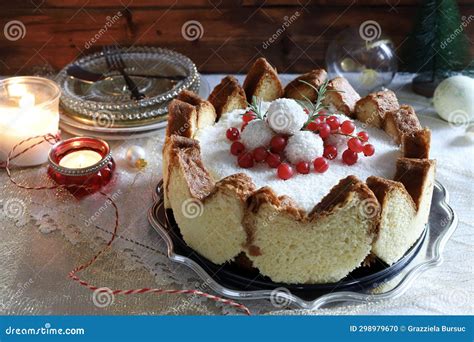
(39, 247)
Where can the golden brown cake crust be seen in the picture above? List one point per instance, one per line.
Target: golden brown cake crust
(284, 203)
(417, 144)
(239, 183)
(381, 187)
(401, 121)
(383, 101)
(300, 91)
(339, 195)
(187, 153)
(341, 95)
(412, 173)
(190, 97)
(260, 72)
(182, 119)
(228, 95)
(206, 114)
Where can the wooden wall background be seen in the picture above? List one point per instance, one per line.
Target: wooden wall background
(56, 31)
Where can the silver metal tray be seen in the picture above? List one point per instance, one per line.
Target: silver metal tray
(424, 255)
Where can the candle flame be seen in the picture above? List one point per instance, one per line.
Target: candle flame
(27, 101)
(81, 161)
(17, 90)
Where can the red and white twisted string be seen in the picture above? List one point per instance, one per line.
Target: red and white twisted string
(73, 274)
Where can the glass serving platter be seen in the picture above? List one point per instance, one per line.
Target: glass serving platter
(366, 284)
(86, 99)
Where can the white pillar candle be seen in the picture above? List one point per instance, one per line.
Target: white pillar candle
(28, 108)
(80, 159)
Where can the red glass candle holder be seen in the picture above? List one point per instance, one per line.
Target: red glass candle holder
(84, 180)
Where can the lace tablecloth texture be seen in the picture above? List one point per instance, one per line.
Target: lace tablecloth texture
(44, 234)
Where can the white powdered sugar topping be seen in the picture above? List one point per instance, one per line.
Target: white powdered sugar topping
(256, 134)
(286, 116)
(304, 146)
(306, 190)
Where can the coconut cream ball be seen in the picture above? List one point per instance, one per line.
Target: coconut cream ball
(286, 116)
(304, 146)
(256, 134)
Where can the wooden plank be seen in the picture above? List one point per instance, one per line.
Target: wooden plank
(39, 5)
(231, 39)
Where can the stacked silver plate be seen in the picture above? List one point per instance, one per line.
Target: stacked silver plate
(104, 108)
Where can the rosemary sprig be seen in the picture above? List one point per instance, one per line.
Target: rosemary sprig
(318, 106)
(256, 107)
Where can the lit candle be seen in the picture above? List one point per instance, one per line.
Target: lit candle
(83, 164)
(80, 159)
(28, 108)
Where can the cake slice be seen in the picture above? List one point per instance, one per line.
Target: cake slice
(206, 114)
(209, 214)
(299, 90)
(186, 114)
(171, 143)
(228, 96)
(341, 97)
(291, 246)
(396, 232)
(401, 121)
(182, 119)
(372, 108)
(262, 81)
(418, 177)
(417, 144)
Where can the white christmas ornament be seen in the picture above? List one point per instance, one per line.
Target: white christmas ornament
(136, 157)
(304, 146)
(256, 134)
(453, 99)
(286, 116)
